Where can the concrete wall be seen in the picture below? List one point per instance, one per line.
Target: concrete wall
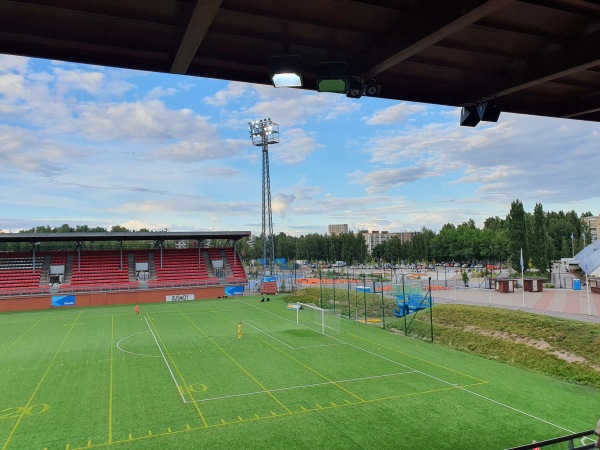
(109, 298)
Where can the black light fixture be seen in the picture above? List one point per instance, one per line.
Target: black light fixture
(332, 76)
(285, 71)
(469, 116)
(488, 111)
(356, 89)
(372, 89)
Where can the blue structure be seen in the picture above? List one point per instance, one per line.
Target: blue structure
(414, 303)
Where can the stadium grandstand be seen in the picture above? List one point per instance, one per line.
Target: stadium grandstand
(37, 270)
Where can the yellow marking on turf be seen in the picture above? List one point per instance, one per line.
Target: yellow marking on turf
(19, 338)
(149, 433)
(68, 447)
(223, 421)
(130, 437)
(319, 406)
(39, 385)
(240, 418)
(332, 404)
(89, 443)
(169, 430)
(303, 408)
(309, 368)
(257, 416)
(273, 414)
(179, 373)
(187, 426)
(348, 401)
(264, 388)
(110, 394)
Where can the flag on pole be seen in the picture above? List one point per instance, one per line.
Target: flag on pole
(522, 265)
(571, 236)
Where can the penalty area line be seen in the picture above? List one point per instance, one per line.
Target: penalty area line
(179, 388)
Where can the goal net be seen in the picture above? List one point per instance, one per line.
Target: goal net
(324, 321)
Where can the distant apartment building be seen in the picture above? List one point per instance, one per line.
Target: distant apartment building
(373, 238)
(341, 228)
(593, 222)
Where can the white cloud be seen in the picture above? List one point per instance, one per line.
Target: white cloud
(381, 180)
(296, 145)
(394, 114)
(11, 63)
(281, 203)
(73, 80)
(233, 91)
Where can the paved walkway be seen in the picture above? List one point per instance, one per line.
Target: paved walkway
(564, 303)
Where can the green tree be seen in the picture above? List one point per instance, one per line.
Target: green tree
(517, 234)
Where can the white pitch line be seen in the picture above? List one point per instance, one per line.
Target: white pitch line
(133, 353)
(272, 337)
(316, 346)
(439, 379)
(166, 362)
(289, 388)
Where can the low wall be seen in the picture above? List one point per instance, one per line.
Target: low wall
(110, 298)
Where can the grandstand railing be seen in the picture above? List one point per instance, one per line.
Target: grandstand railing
(570, 439)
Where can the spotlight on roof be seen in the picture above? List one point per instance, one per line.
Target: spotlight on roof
(285, 71)
(488, 111)
(356, 89)
(372, 89)
(332, 76)
(469, 116)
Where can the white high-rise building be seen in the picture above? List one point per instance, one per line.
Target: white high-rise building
(341, 228)
(375, 237)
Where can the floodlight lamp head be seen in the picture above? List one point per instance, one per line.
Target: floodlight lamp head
(332, 76)
(285, 71)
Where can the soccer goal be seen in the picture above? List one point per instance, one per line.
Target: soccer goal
(324, 321)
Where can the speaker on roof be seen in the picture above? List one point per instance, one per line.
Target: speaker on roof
(469, 117)
(488, 111)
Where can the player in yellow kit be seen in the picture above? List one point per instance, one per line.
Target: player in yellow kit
(240, 330)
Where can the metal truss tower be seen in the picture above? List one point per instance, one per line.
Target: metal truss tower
(264, 132)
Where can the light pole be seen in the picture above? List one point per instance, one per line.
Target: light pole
(264, 132)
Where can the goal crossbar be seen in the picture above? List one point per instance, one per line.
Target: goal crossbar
(323, 318)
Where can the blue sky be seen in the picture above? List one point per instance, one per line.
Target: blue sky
(103, 146)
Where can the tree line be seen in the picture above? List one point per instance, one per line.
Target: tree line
(542, 236)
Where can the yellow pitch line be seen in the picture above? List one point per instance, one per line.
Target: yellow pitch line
(264, 388)
(179, 373)
(19, 338)
(312, 370)
(273, 416)
(37, 388)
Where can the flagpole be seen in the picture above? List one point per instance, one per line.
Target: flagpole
(587, 281)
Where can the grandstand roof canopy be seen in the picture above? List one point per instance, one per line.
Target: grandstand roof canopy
(34, 238)
(538, 57)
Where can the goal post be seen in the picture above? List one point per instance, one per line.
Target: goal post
(324, 321)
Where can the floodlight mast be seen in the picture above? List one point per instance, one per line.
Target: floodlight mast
(264, 132)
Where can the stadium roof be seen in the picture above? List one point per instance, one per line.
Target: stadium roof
(34, 238)
(539, 57)
(590, 255)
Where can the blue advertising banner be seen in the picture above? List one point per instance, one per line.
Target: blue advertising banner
(232, 291)
(63, 300)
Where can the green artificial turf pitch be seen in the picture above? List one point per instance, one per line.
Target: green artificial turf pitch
(176, 376)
